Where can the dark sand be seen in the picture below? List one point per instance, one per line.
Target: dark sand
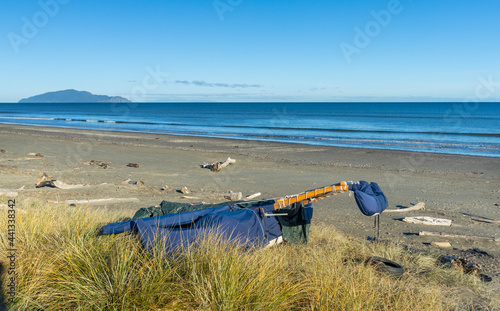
(452, 186)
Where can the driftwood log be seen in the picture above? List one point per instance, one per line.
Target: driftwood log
(419, 206)
(218, 166)
(45, 182)
(426, 220)
(452, 235)
(253, 196)
(481, 219)
(62, 185)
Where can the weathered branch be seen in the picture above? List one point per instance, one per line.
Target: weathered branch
(426, 220)
(452, 235)
(490, 221)
(419, 206)
(253, 196)
(61, 185)
(44, 181)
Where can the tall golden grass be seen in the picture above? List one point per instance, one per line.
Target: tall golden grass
(62, 264)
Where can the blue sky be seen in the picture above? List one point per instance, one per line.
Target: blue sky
(259, 50)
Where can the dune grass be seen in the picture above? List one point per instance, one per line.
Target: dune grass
(62, 264)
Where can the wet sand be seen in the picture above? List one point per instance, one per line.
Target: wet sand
(452, 186)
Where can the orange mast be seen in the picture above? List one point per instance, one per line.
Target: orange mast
(312, 195)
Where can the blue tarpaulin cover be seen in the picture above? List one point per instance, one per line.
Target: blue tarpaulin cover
(369, 197)
(245, 226)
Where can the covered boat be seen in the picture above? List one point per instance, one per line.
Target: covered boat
(247, 223)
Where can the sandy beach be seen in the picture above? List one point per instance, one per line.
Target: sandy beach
(451, 186)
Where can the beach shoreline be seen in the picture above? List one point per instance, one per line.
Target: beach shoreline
(452, 186)
(321, 155)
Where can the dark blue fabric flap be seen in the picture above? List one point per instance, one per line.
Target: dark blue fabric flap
(369, 197)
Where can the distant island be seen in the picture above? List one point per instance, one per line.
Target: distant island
(73, 96)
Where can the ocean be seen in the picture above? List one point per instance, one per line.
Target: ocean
(452, 128)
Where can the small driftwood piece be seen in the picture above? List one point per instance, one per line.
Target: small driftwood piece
(133, 165)
(452, 235)
(481, 219)
(218, 166)
(97, 201)
(234, 196)
(97, 163)
(25, 159)
(44, 181)
(253, 196)
(441, 244)
(131, 182)
(33, 154)
(419, 206)
(189, 197)
(426, 220)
